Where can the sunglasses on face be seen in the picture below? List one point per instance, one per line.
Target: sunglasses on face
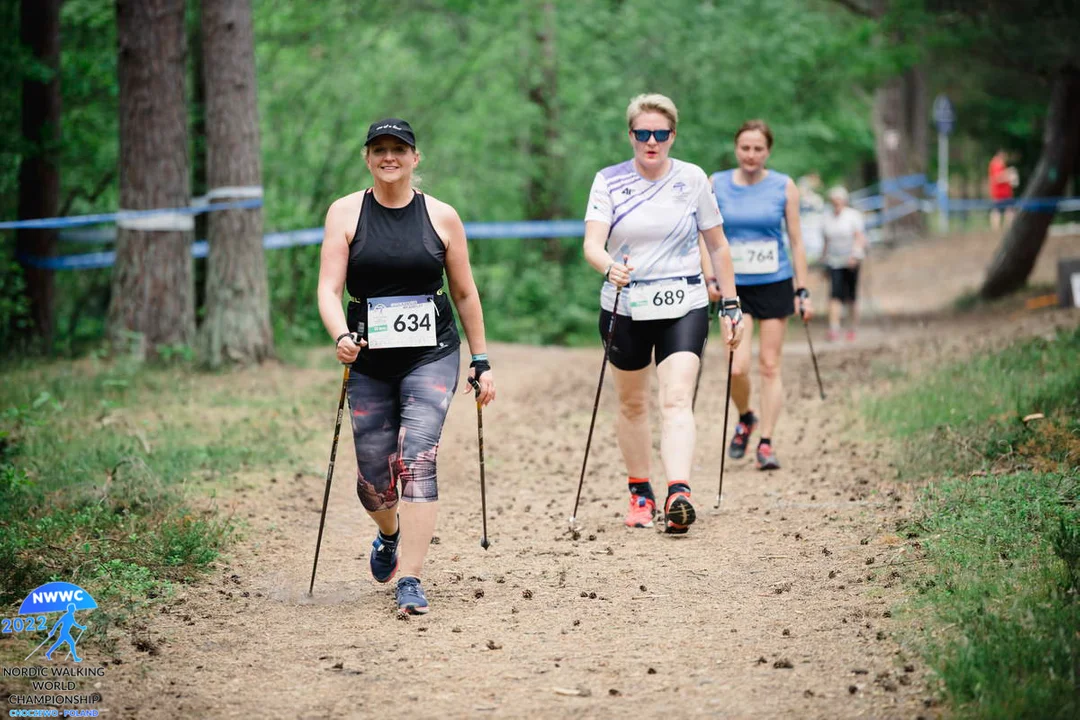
(643, 135)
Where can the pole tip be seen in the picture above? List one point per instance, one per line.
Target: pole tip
(484, 543)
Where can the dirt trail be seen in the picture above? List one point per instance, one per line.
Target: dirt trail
(777, 605)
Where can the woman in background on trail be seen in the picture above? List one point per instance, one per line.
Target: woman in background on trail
(389, 245)
(650, 210)
(756, 203)
(845, 248)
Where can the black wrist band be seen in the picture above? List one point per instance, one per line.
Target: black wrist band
(339, 337)
(730, 303)
(802, 293)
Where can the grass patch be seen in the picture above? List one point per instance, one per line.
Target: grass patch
(969, 415)
(1000, 525)
(106, 470)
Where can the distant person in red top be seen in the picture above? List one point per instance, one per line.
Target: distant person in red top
(1002, 180)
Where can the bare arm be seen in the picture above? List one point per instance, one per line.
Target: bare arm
(333, 264)
(717, 244)
(711, 282)
(794, 228)
(860, 245)
(462, 286)
(720, 256)
(596, 254)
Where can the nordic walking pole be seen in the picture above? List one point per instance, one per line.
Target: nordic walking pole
(596, 402)
(329, 475)
(480, 441)
(47, 639)
(727, 409)
(821, 388)
(701, 364)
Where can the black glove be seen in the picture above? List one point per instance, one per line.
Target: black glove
(731, 308)
(800, 295)
(481, 367)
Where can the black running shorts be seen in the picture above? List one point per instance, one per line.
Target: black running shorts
(769, 301)
(634, 341)
(844, 282)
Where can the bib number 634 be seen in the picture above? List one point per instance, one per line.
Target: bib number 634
(412, 322)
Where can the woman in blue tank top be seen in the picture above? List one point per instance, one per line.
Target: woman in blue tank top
(390, 246)
(756, 203)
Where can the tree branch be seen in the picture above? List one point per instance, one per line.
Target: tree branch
(857, 8)
(93, 195)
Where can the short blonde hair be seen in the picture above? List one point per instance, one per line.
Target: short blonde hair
(652, 102)
(839, 193)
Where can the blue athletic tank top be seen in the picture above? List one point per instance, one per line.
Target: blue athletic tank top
(753, 213)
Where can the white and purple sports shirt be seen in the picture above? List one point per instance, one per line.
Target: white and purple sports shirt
(655, 222)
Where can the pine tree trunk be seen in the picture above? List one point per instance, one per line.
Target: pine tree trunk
(900, 136)
(543, 188)
(152, 301)
(236, 328)
(39, 174)
(1061, 146)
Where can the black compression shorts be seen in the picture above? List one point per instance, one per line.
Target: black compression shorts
(769, 301)
(844, 282)
(634, 341)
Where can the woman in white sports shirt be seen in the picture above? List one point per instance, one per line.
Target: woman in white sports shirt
(650, 211)
(845, 248)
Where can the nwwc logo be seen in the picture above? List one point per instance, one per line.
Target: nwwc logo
(54, 597)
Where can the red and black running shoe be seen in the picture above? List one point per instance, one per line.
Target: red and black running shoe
(741, 439)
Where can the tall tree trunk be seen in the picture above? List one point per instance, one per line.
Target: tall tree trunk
(236, 327)
(197, 112)
(543, 189)
(152, 289)
(1061, 146)
(917, 126)
(900, 137)
(39, 174)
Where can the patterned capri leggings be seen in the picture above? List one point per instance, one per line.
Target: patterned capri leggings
(396, 429)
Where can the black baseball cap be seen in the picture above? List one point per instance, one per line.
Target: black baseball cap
(391, 126)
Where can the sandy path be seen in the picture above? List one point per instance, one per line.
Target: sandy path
(778, 605)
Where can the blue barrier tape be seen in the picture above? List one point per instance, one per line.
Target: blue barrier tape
(905, 182)
(82, 220)
(524, 230)
(314, 236)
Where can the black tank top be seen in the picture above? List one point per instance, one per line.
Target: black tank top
(396, 251)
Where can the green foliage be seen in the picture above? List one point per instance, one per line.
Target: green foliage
(94, 467)
(1003, 544)
(500, 138)
(970, 413)
(1003, 594)
(14, 306)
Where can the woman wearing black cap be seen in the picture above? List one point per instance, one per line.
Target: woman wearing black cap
(389, 245)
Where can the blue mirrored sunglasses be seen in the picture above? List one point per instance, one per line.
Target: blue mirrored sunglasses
(643, 135)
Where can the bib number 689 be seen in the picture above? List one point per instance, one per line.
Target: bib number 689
(669, 297)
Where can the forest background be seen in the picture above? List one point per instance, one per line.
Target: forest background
(518, 104)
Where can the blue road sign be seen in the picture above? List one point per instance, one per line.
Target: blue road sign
(944, 115)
